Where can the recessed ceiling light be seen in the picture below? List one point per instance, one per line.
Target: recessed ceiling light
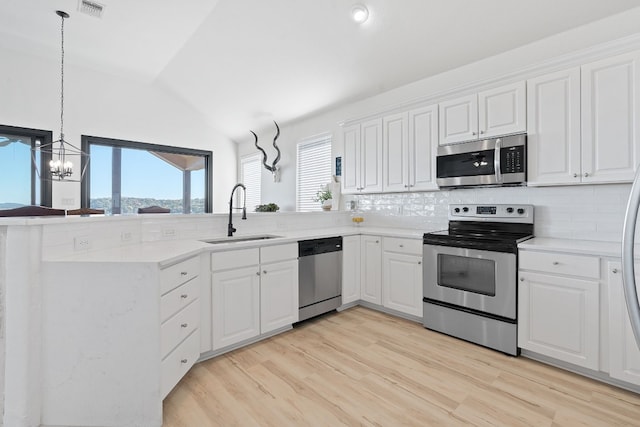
(360, 13)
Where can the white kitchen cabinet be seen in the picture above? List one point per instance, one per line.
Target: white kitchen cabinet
(116, 338)
(584, 124)
(611, 119)
(494, 112)
(553, 135)
(278, 294)
(236, 305)
(371, 274)
(351, 269)
(409, 154)
(402, 275)
(559, 306)
(624, 355)
(362, 162)
(254, 291)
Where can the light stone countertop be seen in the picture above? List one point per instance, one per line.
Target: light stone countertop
(168, 252)
(585, 247)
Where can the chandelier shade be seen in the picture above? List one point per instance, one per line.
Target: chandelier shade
(58, 160)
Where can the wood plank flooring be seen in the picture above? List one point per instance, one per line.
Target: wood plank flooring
(365, 368)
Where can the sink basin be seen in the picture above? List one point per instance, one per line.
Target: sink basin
(240, 239)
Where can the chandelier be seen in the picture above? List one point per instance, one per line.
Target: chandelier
(62, 156)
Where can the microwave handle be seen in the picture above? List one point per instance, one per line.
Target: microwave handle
(496, 160)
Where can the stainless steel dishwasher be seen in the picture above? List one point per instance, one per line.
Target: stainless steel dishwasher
(320, 276)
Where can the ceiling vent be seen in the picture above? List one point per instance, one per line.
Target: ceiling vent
(90, 8)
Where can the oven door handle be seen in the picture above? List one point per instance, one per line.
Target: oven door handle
(496, 160)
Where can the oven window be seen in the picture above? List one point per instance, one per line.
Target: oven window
(475, 275)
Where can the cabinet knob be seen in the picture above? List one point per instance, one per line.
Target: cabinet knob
(183, 361)
(481, 132)
(264, 271)
(406, 186)
(419, 262)
(184, 325)
(402, 246)
(556, 263)
(377, 241)
(183, 273)
(257, 273)
(473, 133)
(614, 271)
(184, 296)
(522, 279)
(586, 174)
(575, 175)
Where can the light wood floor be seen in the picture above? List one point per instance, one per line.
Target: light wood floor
(362, 367)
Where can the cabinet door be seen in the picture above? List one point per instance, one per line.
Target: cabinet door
(402, 283)
(559, 318)
(371, 275)
(236, 306)
(351, 160)
(278, 295)
(371, 156)
(350, 269)
(459, 120)
(624, 356)
(423, 145)
(611, 119)
(395, 155)
(553, 136)
(502, 110)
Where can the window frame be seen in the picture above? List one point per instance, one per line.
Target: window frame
(45, 137)
(87, 141)
(326, 137)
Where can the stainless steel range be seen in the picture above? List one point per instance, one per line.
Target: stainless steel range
(470, 274)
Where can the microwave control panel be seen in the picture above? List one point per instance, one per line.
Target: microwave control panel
(512, 159)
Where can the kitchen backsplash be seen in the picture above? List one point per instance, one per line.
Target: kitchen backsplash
(592, 212)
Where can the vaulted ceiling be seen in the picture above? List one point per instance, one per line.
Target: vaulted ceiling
(239, 61)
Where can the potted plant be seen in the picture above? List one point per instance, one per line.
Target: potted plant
(324, 196)
(269, 207)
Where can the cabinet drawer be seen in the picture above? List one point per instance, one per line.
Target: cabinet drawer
(179, 361)
(403, 246)
(179, 298)
(234, 259)
(178, 327)
(174, 276)
(559, 263)
(278, 253)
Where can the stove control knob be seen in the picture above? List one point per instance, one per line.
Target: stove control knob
(465, 209)
(457, 210)
(520, 211)
(509, 210)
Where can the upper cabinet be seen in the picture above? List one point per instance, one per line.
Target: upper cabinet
(490, 113)
(409, 150)
(583, 123)
(362, 162)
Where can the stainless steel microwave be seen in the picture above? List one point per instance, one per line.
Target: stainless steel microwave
(490, 162)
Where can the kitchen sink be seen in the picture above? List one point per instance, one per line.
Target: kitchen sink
(240, 239)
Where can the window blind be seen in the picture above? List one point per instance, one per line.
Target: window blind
(250, 176)
(314, 171)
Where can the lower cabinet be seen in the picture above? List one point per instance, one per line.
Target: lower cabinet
(402, 275)
(351, 269)
(371, 274)
(624, 355)
(254, 291)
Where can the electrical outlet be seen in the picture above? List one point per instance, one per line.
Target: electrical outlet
(168, 232)
(81, 243)
(125, 236)
(68, 201)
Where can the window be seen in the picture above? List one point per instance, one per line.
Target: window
(251, 177)
(23, 186)
(314, 171)
(123, 176)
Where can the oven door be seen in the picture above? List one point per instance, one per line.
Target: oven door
(483, 281)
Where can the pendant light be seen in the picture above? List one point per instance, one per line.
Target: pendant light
(62, 156)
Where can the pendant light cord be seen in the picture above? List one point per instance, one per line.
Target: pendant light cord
(62, 81)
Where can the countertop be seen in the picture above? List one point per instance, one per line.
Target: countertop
(168, 252)
(586, 247)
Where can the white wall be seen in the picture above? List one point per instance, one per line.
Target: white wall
(100, 104)
(283, 193)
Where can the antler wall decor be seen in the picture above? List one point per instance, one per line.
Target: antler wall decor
(275, 170)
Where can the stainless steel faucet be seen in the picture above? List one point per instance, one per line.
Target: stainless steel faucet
(230, 229)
